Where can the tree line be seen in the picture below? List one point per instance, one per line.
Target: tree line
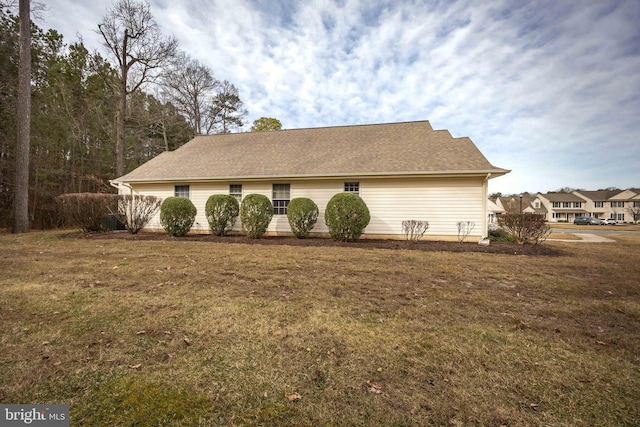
(95, 116)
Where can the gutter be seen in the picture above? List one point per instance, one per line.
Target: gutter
(117, 184)
(487, 174)
(485, 206)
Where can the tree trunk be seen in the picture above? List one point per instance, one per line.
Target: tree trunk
(122, 108)
(21, 183)
(164, 136)
(120, 135)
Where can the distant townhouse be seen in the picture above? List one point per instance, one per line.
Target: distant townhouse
(597, 203)
(621, 205)
(634, 205)
(561, 207)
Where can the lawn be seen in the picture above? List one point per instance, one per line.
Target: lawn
(183, 333)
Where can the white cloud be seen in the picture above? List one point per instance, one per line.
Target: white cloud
(548, 89)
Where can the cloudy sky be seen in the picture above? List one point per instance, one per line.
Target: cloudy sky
(549, 89)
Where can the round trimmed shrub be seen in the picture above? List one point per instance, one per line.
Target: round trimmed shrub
(256, 212)
(221, 210)
(177, 215)
(302, 214)
(346, 216)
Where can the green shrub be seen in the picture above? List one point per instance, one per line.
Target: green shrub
(302, 214)
(256, 212)
(222, 212)
(500, 235)
(177, 215)
(346, 216)
(86, 210)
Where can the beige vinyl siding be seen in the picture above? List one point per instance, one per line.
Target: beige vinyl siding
(198, 194)
(159, 190)
(440, 201)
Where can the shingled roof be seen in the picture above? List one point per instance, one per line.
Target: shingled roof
(365, 150)
(597, 196)
(562, 197)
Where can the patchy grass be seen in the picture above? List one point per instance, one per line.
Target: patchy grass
(201, 333)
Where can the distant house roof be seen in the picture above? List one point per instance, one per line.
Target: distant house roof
(562, 197)
(365, 150)
(494, 207)
(598, 196)
(512, 203)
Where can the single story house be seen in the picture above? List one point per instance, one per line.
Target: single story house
(401, 170)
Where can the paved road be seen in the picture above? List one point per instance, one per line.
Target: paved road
(605, 231)
(587, 238)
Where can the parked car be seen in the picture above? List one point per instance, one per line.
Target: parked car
(610, 221)
(586, 220)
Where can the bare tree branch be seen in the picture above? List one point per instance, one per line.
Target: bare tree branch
(191, 86)
(133, 38)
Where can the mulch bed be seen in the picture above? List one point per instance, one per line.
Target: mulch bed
(426, 245)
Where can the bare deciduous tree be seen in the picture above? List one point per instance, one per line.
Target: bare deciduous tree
(190, 86)
(134, 40)
(634, 210)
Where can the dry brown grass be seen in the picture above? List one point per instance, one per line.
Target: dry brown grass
(201, 333)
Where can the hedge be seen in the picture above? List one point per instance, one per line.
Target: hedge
(256, 212)
(346, 216)
(222, 211)
(302, 214)
(177, 215)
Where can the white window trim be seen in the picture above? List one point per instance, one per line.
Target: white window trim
(279, 201)
(181, 192)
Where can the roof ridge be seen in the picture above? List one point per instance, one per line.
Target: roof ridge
(330, 127)
(371, 149)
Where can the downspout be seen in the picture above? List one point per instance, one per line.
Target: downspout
(485, 207)
(118, 185)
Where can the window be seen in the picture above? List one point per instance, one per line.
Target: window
(537, 204)
(236, 191)
(577, 204)
(181, 191)
(566, 204)
(621, 217)
(559, 215)
(617, 204)
(636, 204)
(556, 204)
(281, 197)
(352, 187)
(599, 204)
